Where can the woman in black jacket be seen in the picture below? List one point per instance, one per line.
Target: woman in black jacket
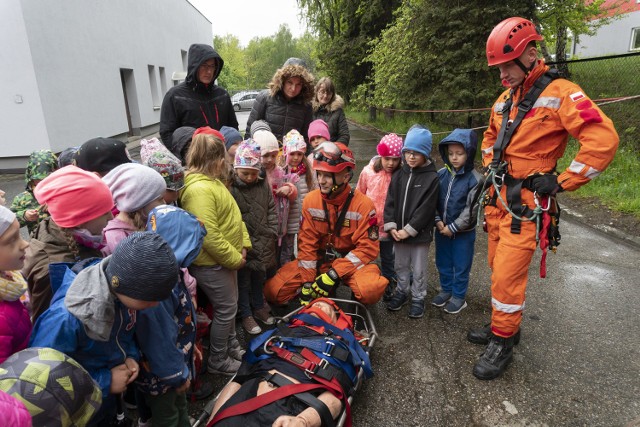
(286, 104)
(328, 106)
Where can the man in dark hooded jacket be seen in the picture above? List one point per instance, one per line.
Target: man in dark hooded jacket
(198, 101)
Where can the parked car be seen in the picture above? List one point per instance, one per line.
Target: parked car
(244, 100)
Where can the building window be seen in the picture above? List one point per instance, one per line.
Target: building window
(635, 39)
(183, 54)
(163, 80)
(153, 84)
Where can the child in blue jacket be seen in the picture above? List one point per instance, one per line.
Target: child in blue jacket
(166, 333)
(460, 187)
(92, 317)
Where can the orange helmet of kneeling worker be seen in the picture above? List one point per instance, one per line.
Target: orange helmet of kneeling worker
(333, 157)
(509, 39)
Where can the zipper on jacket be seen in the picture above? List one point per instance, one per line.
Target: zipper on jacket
(124, 353)
(406, 191)
(204, 115)
(446, 199)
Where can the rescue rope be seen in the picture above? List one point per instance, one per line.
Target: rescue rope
(492, 175)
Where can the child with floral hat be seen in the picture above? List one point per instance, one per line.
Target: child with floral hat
(154, 154)
(253, 195)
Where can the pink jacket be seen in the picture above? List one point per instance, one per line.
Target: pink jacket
(375, 185)
(15, 328)
(13, 412)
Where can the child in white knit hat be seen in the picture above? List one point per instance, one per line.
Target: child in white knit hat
(136, 190)
(283, 185)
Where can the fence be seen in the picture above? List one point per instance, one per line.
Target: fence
(612, 81)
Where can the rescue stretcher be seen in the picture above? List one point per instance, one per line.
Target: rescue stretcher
(362, 324)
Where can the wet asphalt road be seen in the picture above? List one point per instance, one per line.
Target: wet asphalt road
(578, 363)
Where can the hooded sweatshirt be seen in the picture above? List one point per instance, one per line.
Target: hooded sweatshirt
(459, 190)
(86, 321)
(192, 103)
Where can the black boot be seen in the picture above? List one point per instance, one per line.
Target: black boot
(389, 290)
(482, 335)
(495, 359)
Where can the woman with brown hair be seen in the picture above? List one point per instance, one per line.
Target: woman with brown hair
(328, 106)
(286, 104)
(224, 250)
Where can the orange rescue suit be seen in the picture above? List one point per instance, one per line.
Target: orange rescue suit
(561, 110)
(357, 244)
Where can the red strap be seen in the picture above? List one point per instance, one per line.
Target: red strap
(262, 400)
(543, 236)
(309, 362)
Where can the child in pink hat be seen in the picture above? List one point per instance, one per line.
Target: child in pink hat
(79, 203)
(374, 181)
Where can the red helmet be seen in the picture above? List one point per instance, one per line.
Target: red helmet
(333, 157)
(509, 38)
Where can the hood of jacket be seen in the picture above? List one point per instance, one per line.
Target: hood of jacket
(469, 140)
(199, 53)
(91, 302)
(288, 71)
(41, 164)
(337, 103)
(181, 140)
(181, 230)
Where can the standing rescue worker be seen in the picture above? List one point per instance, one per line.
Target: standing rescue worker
(338, 237)
(528, 132)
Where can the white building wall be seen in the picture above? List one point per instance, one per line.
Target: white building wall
(77, 49)
(21, 116)
(612, 39)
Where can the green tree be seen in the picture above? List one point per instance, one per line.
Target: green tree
(433, 55)
(234, 74)
(344, 29)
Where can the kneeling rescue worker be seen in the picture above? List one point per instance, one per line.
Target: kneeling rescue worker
(338, 238)
(528, 132)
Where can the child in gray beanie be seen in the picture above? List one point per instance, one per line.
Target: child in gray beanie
(136, 190)
(92, 317)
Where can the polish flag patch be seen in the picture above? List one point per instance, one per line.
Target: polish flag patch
(576, 96)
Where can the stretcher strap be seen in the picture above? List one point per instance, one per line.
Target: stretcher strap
(313, 369)
(306, 398)
(360, 357)
(263, 400)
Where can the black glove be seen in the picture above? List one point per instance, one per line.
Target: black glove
(324, 283)
(544, 184)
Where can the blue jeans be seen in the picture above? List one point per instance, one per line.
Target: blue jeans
(387, 259)
(454, 258)
(250, 294)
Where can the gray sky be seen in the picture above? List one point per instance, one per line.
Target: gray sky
(247, 19)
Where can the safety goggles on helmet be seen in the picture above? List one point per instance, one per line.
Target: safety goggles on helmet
(334, 155)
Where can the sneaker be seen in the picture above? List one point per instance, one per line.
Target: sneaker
(235, 350)
(144, 423)
(226, 366)
(397, 301)
(441, 299)
(455, 305)
(249, 324)
(416, 310)
(482, 335)
(263, 314)
(495, 359)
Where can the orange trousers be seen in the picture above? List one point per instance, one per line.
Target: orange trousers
(509, 258)
(366, 283)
